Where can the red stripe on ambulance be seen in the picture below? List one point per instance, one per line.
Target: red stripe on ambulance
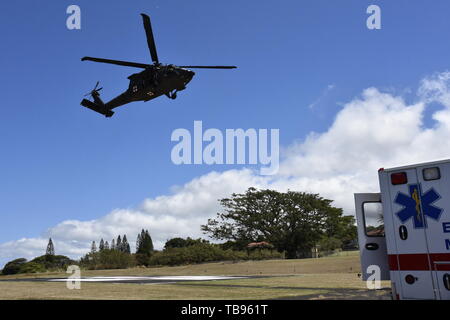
(419, 261)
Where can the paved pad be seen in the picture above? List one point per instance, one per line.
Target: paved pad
(155, 279)
(136, 279)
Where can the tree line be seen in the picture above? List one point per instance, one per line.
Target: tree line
(118, 255)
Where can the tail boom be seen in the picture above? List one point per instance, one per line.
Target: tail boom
(100, 108)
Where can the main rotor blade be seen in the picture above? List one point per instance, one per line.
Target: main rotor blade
(150, 39)
(209, 67)
(118, 62)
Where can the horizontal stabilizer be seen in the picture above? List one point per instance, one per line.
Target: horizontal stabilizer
(95, 107)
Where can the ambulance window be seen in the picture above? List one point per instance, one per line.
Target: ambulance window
(431, 174)
(373, 219)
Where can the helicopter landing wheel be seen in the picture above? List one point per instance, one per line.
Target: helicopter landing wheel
(172, 95)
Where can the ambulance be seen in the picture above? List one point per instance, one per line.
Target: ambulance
(404, 231)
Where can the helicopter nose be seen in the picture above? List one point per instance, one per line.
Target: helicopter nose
(188, 75)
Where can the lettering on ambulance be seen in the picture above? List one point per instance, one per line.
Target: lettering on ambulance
(446, 228)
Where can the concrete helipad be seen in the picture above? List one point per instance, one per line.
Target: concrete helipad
(136, 279)
(150, 279)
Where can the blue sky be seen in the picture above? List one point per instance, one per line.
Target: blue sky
(61, 161)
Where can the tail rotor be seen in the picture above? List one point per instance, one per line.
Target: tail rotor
(94, 92)
(97, 105)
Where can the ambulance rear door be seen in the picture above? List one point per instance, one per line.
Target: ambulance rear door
(372, 243)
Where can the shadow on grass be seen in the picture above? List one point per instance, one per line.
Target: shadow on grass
(327, 293)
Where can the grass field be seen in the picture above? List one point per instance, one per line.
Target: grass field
(325, 278)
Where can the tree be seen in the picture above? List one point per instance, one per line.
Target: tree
(107, 259)
(175, 243)
(119, 243)
(182, 243)
(125, 244)
(293, 221)
(342, 228)
(13, 267)
(106, 245)
(148, 242)
(53, 262)
(93, 247)
(145, 243)
(138, 242)
(32, 267)
(113, 244)
(329, 244)
(101, 246)
(144, 248)
(50, 248)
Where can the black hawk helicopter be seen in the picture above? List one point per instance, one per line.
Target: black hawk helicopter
(155, 80)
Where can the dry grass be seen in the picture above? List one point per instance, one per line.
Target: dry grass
(91, 291)
(331, 286)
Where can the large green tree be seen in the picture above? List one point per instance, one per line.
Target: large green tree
(293, 222)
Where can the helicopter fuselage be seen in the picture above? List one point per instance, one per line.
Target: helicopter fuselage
(155, 81)
(152, 82)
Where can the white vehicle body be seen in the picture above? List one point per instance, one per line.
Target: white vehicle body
(413, 210)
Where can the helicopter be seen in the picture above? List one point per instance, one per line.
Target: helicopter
(155, 80)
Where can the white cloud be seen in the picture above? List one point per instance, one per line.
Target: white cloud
(436, 88)
(372, 131)
(322, 96)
